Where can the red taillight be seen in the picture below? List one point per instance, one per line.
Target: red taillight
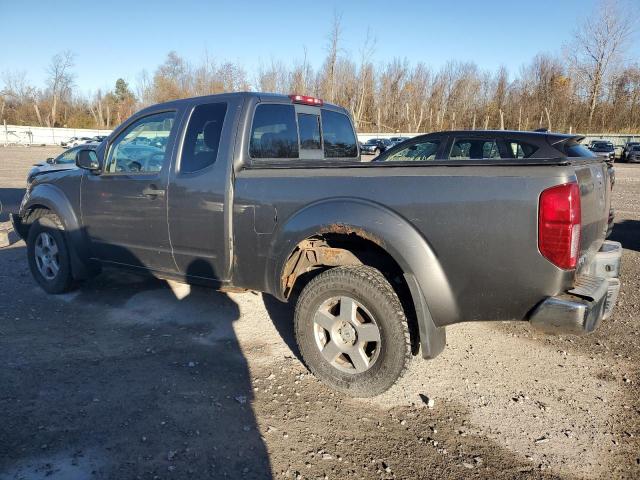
(304, 99)
(559, 225)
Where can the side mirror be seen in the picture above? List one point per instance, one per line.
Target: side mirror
(50, 160)
(87, 159)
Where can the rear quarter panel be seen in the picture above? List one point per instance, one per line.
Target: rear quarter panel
(480, 222)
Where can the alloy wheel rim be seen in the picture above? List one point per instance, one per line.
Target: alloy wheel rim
(47, 255)
(347, 334)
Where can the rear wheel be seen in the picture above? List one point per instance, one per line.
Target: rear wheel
(48, 254)
(352, 331)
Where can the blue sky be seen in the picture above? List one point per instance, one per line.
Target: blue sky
(121, 38)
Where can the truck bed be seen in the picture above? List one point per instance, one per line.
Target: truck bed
(479, 219)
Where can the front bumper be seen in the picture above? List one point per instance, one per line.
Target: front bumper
(581, 309)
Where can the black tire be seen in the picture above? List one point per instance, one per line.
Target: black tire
(50, 224)
(371, 290)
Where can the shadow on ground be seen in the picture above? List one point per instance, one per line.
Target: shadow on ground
(627, 232)
(10, 199)
(123, 378)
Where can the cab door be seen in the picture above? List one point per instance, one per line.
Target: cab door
(124, 208)
(197, 201)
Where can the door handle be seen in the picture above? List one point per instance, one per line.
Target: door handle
(152, 192)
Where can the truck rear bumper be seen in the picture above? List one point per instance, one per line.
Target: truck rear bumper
(581, 309)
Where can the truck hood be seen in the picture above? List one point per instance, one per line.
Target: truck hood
(41, 169)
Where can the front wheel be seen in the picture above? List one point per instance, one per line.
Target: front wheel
(352, 330)
(48, 255)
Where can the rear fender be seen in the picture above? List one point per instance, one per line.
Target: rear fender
(380, 225)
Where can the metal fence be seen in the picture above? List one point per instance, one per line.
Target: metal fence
(27, 135)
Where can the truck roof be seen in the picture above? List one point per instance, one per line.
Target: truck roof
(261, 96)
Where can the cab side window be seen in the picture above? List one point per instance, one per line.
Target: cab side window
(274, 133)
(520, 149)
(202, 138)
(474, 149)
(417, 152)
(141, 147)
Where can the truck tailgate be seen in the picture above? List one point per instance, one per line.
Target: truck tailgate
(595, 196)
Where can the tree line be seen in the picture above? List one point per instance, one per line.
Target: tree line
(589, 86)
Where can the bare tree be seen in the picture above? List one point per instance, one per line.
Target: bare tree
(365, 76)
(597, 46)
(59, 81)
(333, 50)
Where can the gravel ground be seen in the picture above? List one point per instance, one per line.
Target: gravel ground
(131, 377)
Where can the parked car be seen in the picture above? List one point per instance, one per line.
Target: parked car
(99, 138)
(66, 160)
(267, 193)
(75, 141)
(604, 150)
(396, 140)
(627, 149)
(633, 155)
(375, 146)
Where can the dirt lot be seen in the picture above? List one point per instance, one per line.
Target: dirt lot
(130, 377)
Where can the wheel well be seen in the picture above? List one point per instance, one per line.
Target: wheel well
(34, 213)
(316, 254)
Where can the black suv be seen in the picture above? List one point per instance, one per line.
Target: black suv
(628, 147)
(376, 146)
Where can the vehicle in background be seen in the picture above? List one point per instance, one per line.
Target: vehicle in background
(490, 145)
(99, 138)
(396, 140)
(604, 149)
(633, 155)
(75, 141)
(627, 149)
(268, 193)
(65, 161)
(618, 151)
(375, 146)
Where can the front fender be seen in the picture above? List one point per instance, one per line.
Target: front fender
(376, 223)
(53, 198)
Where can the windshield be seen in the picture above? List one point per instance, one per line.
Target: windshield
(602, 147)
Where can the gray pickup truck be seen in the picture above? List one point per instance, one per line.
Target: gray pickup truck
(268, 193)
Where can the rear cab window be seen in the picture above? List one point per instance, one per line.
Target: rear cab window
(339, 137)
(274, 133)
(301, 132)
